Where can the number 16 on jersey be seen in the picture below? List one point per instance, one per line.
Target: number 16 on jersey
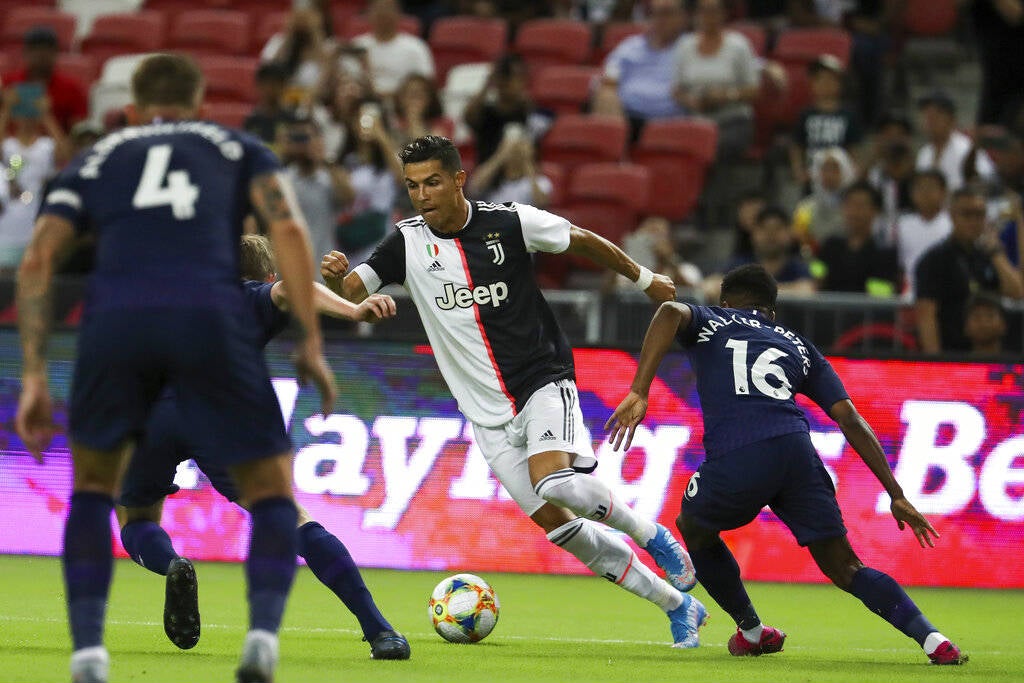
(764, 366)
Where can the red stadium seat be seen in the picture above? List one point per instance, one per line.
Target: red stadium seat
(21, 19)
(230, 114)
(129, 33)
(576, 139)
(462, 40)
(543, 42)
(211, 32)
(755, 35)
(556, 174)
(271, 24)
(677, 153)
(930, 17)
(172, 8)
(613, 195)
(358, 24)
(230, 79)
(83, 68)
(563, 89)
(614, 34)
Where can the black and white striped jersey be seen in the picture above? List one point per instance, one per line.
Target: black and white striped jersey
(494, 336)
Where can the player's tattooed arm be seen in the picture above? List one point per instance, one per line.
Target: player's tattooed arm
(272, 199)
(34, 289)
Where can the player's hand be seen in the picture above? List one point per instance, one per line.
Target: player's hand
(661, 289)
(906, 514)
(333, 265)
(34, 419)
(312, 367)
(625, 419)
(375, 308)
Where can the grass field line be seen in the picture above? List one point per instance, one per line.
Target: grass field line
(425, 634)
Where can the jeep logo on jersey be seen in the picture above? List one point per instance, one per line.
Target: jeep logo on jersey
(464, 297)
(495, 246)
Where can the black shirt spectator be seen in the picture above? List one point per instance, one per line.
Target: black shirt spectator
(999, 37)
(855, 261)
(503, 100)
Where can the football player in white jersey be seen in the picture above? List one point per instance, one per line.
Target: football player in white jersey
(468, 268)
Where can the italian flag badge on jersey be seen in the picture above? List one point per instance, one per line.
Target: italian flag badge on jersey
(432, 250)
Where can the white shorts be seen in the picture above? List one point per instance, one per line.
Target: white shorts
(550, 421)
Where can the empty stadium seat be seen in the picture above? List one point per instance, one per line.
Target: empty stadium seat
(543, 42)
(614, 195)
(614, 34)
(129, 33)
(82, 68)
(930, 17)
(461, 40)
(556, 174)
(21, 19)
(677, 153)
(211, 32)
(358, 24)
(577, 139)
(563, 89)
(230, 79)
(230, 114)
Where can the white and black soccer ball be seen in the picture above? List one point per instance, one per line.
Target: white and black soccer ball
(463, 608)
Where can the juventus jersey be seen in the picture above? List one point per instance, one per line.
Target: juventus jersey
(493, 334)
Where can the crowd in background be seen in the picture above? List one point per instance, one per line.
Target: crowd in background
(891, 196)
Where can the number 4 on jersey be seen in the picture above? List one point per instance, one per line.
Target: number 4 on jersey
(178, 192)
(763, 367)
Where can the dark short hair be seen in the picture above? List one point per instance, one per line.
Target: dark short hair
(750, 285)
(773, 211)
(895, 117)
(508, 64)
(166, 80)
(40, 36)
(932, 174)
(969, 191)
(866, 188)
(751, 195)
(984, 299)
(272, 71)
(430, 147)
(940, 100)
(256, 258)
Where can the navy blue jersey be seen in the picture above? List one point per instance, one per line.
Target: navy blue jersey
(166, 202)
(270, 319)
(749, 368)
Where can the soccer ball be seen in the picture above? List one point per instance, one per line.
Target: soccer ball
(463, 608)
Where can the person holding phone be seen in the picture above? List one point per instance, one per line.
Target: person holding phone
(69, 102)
(31, 155)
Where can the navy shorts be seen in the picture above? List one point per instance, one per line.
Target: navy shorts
(165, 443)
(784, 473)
(211, 359)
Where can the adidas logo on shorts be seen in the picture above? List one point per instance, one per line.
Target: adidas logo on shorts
(547, 436)
(434, 267)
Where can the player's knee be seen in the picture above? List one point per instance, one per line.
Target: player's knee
(564, 489)
(694, 535)
(264, 478)
(550, 517)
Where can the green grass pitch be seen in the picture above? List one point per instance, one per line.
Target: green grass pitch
(550, 629)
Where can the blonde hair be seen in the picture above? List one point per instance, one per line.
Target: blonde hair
(256, 258)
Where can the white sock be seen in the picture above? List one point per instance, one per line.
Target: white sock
(610, 557)
(932, 642)
(753, 635)
(590, 497)
(90, 663)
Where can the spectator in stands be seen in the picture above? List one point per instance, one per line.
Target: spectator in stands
(321, 189)
(503, 100)
(819, 216)
(892, 176)
(717, 77)
(375, 174)
(513, 11)
(855, 261)
(827, 122)
(418, 111)
(638, 73)
(748, 206)
(1005, 146)
(926, 226)
(30, 156)
(339, 109)
(946, 147)
(392, 55)
(870, 22)
(595, 12)
(68, 100)
(985, 325)
(773, 241)
(999, 30)
(83, 135)
(428, 11)
(971, 259)
(511, 174)
(269, 114)
(650, 245)
(303, 49)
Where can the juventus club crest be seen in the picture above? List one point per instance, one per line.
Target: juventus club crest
(493, 243)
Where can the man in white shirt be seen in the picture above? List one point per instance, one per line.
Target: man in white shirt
(393, 55)
(928, 225)
(947, 148)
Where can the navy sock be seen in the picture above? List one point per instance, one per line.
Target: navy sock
(330, 561)
(88, 565)
(718, 572)
(149, 545)
(270, 566)
(883, 596)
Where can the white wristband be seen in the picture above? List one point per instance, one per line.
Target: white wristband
(644, 279)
